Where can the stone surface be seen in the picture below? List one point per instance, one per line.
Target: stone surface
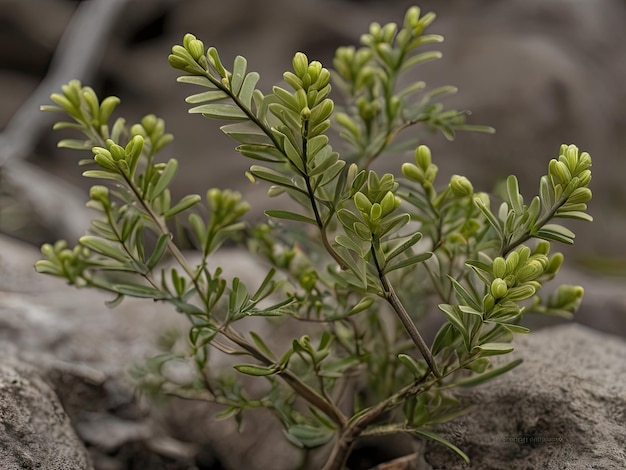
(564, 407)
(35, 432)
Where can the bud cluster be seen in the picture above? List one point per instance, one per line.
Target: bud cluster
(518, 276)
(424, 171)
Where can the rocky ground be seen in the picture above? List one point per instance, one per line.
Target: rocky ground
(541, 72)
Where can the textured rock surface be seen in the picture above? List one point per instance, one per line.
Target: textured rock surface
(35, 432)
(563, 408)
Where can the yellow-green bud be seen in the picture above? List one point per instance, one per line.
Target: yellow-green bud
(499, 267)
(106, 108)
(580, 195)
(530, 271)
(99, 193)
(489, 302)
(567, 294)
(194, 46)
(412, 16)
(431, 173)
(461, 186)
(413, 173)
(511, 261)
(517, 294)
(103, 158)
(555, 263)
(305, 114)
(300, 64)
(314, 70)
(388, 203)
(542, 248)
(344, 120)
(560, 171)
(584, 162)
(423, 157)
(499, 288)
(571, 157)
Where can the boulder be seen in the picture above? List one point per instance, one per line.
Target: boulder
(563, 407)
(35, 431)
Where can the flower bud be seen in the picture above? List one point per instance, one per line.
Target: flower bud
(517, 294)
(498, 288)
(99, 193)
(423, 157)
(511, 262)
(567, 296)
(580, 195)
(489, 303)
(106, 108)
(413, 173)
(431, 173)
(560, 172)
(530, 271)
(300, 64)
(461, 186)
(554, 264)
(499, 267)
(194, 46)
(412, 16)
(542, 248)
(388, 203)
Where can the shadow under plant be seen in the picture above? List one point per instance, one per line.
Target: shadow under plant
(349, 268)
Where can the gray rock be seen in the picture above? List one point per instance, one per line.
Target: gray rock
(35, 431)
(564, 407)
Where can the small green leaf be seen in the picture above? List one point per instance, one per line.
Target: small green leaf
(494, 349)
(454, 317)
(196, 80)
(247, 89)
(261, 345)
(103, 174)
(98, 245)
(206, 96)
(159, 250)
(410, 261)
(165, 178)
(488, 215)
(75, 144)
(307, 436)
(464, 294)
(398, 250)
(557, 233)
(136, 290)
(185, 203)
(445, 338)
(115, 302)
(280, 214)
(257, 371)
(240, 65)
(489, 375)
(441, 440)
(417, 369)
(515, 197)
(220, 111)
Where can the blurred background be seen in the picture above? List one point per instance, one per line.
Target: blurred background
(542, 72)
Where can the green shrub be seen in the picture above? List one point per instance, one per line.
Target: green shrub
(367, 244)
